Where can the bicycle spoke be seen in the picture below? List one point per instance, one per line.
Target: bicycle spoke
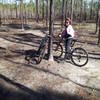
(57, 50)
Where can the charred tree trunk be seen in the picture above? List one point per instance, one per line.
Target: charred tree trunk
(51, 21)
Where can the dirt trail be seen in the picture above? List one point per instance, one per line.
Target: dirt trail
(63, 77)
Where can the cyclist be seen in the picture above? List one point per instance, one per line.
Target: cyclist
(68, 35)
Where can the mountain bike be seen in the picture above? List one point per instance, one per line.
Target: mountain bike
(36, 56)
(78, 55)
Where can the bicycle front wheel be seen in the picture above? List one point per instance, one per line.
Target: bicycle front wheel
(41, 54)
(57, 50)
(79, 57)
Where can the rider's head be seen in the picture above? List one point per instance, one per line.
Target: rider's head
(68, 22)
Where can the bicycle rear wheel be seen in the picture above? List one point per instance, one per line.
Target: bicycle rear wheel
(57, 50)
(79, 57)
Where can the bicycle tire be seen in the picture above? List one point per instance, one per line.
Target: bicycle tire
(57, 50)
(79, 54)
(41, 54)
(31, 59)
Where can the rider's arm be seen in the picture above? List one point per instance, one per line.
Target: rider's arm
(70, 31)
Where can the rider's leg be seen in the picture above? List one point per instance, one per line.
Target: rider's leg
(68, 47)
(65, 44)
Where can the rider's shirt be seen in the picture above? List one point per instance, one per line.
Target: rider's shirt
(68, 32)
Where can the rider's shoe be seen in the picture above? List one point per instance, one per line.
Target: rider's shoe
(68, 58)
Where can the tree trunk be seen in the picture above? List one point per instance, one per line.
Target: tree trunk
(47, 13)
(16, 10)
(0, 19)
(37, 13)
(42, 9)
(85, 14)
(51, 21)
(97, 21)
(99, 25)
(63, 13)
(81, 11)
(3, 10)
(72, 4)
(25, 13)
(11, 9)
(31, 4)
(77, 9)
(22, 14)
(66, 9)
(91, 10)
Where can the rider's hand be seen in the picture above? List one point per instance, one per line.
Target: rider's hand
(59, 35)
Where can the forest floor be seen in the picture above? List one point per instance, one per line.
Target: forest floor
(47, 80)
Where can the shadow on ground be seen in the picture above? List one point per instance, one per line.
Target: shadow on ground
(10, 90)
(27, 39)
(19, 26)
(26, 27)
